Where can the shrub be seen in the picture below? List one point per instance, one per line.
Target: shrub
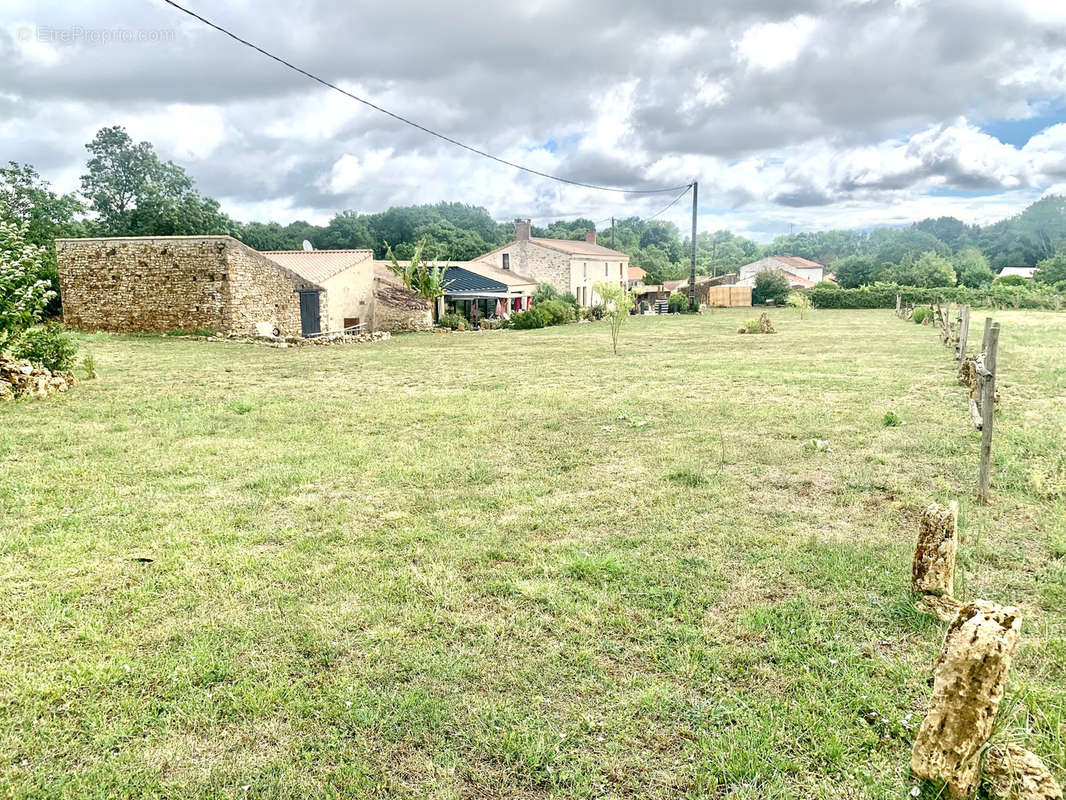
(800, 302)
(770, 285)
(527, 320)
(921, 314)
(453, 321)
(24, 295)
(677, 303)
(88, 365)
(571, 301)
(48, 346)
(1011, 280)
(892, 419)
(556, 312)
(593, 312)
(545, 291)
(883, 295)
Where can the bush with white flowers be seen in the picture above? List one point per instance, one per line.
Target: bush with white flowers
(23, 294)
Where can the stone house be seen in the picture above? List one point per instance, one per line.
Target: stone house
(346, 278)
(217, 283)
(802, 273)
(569, 266)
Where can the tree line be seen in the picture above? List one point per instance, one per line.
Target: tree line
(127, 190)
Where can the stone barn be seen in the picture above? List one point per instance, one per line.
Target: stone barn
(198, 283)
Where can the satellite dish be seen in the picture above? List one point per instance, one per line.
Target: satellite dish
(308, 246)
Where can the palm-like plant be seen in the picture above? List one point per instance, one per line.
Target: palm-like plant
(424, 279)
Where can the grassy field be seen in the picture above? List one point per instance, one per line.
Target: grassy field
(513, 565)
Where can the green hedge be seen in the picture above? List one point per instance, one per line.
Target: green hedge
(883, 295)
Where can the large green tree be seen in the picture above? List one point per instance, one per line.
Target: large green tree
(134, 193)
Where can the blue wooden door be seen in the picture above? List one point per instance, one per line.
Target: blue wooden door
(309, 320)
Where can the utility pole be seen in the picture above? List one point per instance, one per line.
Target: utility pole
(692, 264)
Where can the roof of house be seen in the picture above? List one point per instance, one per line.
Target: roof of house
(797, 281)
(796, 261)
(636, 274)
(317, 265)
(478, 274)
(1025, 272)
(461, 281)
(577, 247)
(507, 276)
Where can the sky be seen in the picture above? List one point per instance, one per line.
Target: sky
(793, 115)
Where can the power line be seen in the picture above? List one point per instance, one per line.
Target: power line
(406, 121)
(670, 205)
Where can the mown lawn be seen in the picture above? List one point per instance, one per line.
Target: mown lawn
(513, 565)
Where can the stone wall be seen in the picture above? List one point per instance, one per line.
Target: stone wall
(263, 291)
(536, 262)
(175, 282)
(396, 309)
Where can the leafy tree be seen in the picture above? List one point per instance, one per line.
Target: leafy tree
(723, 252)
(1051, 270)
(953, 232)
(617, 304)
(972, 268)
(929, 270)
(770, 285)
(856, 270)
(657, 264)
(890, 247)
(572, 229)
(268, 236)
(133, 193)
(24, 294)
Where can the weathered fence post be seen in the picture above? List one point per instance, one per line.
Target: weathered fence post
(964, 332)
(986, 368)
(933, 570)
(899, 305)
(968, 684)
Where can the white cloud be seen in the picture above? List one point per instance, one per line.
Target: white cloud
(773, 45)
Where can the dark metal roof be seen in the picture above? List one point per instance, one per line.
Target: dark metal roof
(458, 279)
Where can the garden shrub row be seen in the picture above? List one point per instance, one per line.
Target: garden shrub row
(883, 295)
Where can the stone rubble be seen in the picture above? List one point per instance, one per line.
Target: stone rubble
(23, 379)
(297, 341)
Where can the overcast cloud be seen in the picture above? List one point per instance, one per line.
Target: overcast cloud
(803, 113)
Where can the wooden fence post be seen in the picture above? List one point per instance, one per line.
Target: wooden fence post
(988, 406)
(899, 305)
(984, 340)
(964, 332)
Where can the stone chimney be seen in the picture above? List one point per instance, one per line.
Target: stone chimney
(590, 237)
(521, 229)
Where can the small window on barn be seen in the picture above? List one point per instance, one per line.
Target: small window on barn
(506, 260)
(584, 269)
(605, 269)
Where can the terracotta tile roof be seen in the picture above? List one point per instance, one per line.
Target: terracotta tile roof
(636, 274)
(796, 261)
(796, 281)
(317, 265)
(577, 247)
